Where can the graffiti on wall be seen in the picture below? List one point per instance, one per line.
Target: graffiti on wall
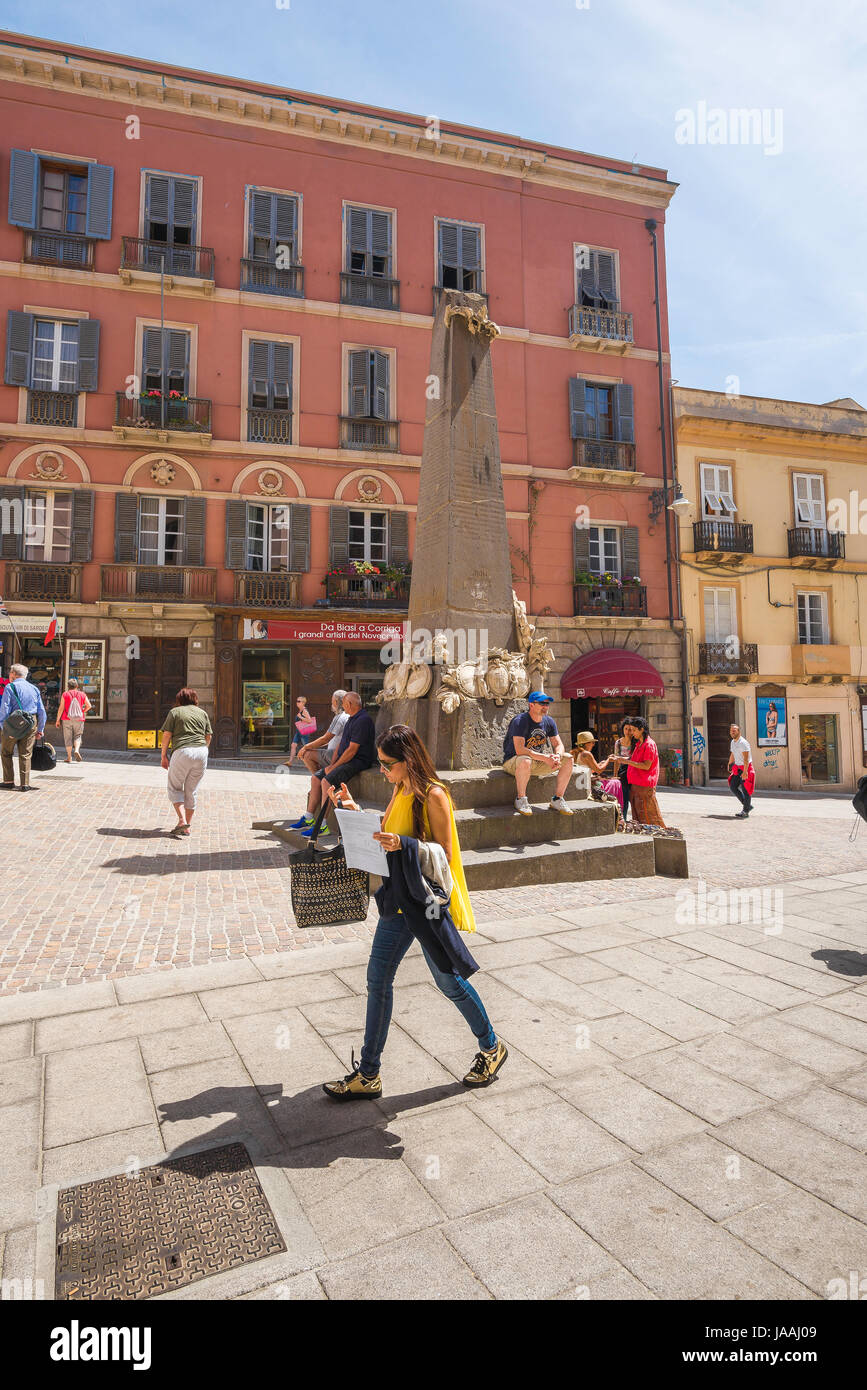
(699, 743)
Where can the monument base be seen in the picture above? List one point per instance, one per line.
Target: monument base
(469, 739)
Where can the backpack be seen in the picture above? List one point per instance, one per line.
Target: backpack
(76, 708)
(859, 800)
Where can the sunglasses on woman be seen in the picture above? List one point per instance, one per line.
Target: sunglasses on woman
(387, 766)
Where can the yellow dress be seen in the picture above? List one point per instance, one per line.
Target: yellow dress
(399, 822)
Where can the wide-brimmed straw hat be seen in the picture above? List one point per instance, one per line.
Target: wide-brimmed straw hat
(585, 737)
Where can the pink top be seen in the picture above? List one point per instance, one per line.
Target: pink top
(645, 777)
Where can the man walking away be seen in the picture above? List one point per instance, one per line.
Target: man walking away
(742, 778)
(20, 699)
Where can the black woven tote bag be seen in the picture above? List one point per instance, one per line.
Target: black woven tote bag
(324, 890)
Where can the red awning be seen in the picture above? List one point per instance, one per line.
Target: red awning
(611, 671)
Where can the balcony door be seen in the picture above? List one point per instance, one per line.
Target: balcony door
(155, 679)
(720, 615)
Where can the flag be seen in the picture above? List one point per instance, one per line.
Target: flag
(52, 626)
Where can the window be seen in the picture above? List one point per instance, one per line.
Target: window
(368, 242)
(55, 356)
(270, 376)
(267, 537)
(720, 615)
(595, 278)
(813, 619)
(63, 201)
(273, 224)
(369, 384)
(459, 257)
(161, 531)
(166, 360)
(368, 536)
(170, 209)
(809, 491)
(717, 492)
(599, 410)
(48, 527)
(604, 544)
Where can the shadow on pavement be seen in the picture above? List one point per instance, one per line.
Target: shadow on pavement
(843, 962)
(196, 863)
(135, 834)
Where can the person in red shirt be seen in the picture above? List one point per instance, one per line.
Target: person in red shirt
(74, 705)
(643, 774)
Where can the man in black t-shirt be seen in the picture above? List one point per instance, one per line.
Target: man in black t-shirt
(356, 752)
(533, 748)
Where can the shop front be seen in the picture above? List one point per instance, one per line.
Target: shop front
(606, 686)
(23, 640)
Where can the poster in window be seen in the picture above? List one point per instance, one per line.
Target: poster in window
(85, 661)
(771, 721)
(264, 701)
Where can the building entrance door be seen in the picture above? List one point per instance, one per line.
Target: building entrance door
(819, 762)
(155, 678)
(720, 715)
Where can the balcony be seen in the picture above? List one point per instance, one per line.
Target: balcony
(43, 581)
(59, 248)
(366, 591)
(611, 455)
(439, 291)
(378, 435)
(52, 408)
(269, 426)
(264, 277)
(267, 589)
(160, 583)
(809, 545)
(143, 257)
(722, 540)
(603, 330)
(715, 659)
(183, 415)
(369, 291)
(609, 600)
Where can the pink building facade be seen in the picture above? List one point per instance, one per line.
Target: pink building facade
(218, 302)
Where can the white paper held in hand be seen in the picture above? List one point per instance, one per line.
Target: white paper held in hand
(357, 829)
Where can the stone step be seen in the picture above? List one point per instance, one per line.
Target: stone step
(570, 861)
(496, 826)
(472, 789)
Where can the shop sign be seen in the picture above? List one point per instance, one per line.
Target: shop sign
(257, 629)
(21, 623)
(612, 690)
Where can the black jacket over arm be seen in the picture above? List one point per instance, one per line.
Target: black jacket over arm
(406, 889)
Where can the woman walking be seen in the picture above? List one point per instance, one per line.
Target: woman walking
(420, 808)
(305, 728)
(188, 730)
(600, 786)
(72, 713)
(643, 765)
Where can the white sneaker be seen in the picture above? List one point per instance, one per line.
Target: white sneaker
(523, 805)
(558, 804)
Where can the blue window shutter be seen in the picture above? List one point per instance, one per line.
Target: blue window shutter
(623, 413)
(19, 341)
(577, 407)
(88, 354)
(156, 198)
(100, 188)
(23, 188)
(380, 385)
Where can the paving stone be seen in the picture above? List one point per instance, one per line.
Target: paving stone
(712, 1176)
(191, 980)
(771, 993)
(706, 1093)
(551, 1134)
(551, 1257)
(502, 953)
(665, 1243)
(21, 1080)
(806, 1237)
(422, 1266)
(19, 1164)
(828, 1023)
(662, 1011)
(840, 1116)
(238, 1000)
(16, 1040)
(314, 959)
(95, 1090)
(19, 1260)
(759, 962)
(411, 1078)
(563, 997)
(851, 1003)
(713, 999)
(45, 1003)
(625, 1036)
(854, 1085)
(810, 1049)
(281, 1051)
(631, 1112)
(581, 969)
(518, 927)
(669, 952)
(337, 1015)
(461, 1162)
(824, 1166)
(122, 1021)
(300, 1288)
(588, 939)
(178, 1047)
(615, 1286)
(556, 1046)
(71, 1164)
(766, 1072)
(211, 1101)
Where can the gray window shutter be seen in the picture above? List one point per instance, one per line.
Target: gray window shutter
(606, 278)
(380, 235)
(156, 198)
(236, 535)
(23, 189)
(581, 548)
(184, 211)
(88, 354)
(449, 255)
(82, 525)
(471, 248)
(577, 407)
(281, 381)
(623, 413)
(380, 385)
(299, 537)
(286, 224)
(629, 556)
(194, 531)
(259, 377)
(338, 535)
(100, 185)
(152, 351)
(261, 215)
(398, 537)
(11, 523)
(357, 233)
(19, 340)
(359, 382)
(125, 529)
(178, 352)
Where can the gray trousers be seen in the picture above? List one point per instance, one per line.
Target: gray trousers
(186, 770)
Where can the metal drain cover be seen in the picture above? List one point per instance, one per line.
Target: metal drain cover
(141, 1234)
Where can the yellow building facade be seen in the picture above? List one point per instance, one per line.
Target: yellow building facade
(773, 575)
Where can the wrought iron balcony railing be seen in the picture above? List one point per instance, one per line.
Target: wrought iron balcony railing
(59, 248)
(604, 453)
(267, 589)
(141, 254)
(811, 542)
(369, 434)
(600, 323)
(609, 600)
(171, 583)
(266, 278)
(730, 658)
(371, 291)
(37, 579)
(366, 591)
(269, 426)
(52, 408)
(731, 537)
(192, 415)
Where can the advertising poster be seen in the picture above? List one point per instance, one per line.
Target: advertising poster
(263, 700)
(771, 721)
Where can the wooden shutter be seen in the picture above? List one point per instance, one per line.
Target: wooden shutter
(261, 216)
(359, 382)
(236, 535)
(11, 522)
(577, 407)
(338, 535)
(177, 352)
(82, 525)
(152, 353)
(24, 189)
(260, 362)
(88, 354)
(380, 386)
(448, 248)
(623, 413)
(19, 340)
(357, 233)
(281, 372)
(125, 529)
(380, 234)
(194, 530)
(156, 198)
(581, 547)
(471, 248)
(606, 276)
(398, 537)
(286, 224)
(299, 537)
(100, 186)
(184, 205)
(630, 560)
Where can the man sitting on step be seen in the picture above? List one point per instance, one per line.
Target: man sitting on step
(533, 748)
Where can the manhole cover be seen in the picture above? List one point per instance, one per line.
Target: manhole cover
(142, 1234)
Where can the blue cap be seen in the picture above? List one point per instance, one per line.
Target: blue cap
(538, 697)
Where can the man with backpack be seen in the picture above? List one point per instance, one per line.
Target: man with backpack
(74, 705)
(22, 719)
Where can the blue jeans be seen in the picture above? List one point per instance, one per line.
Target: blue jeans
(391, 942)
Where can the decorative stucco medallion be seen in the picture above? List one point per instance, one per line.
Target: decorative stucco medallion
(270, 481)
(162, 472)
(369, 489)
(49, 466)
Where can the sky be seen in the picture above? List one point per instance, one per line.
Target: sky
(766, 239)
